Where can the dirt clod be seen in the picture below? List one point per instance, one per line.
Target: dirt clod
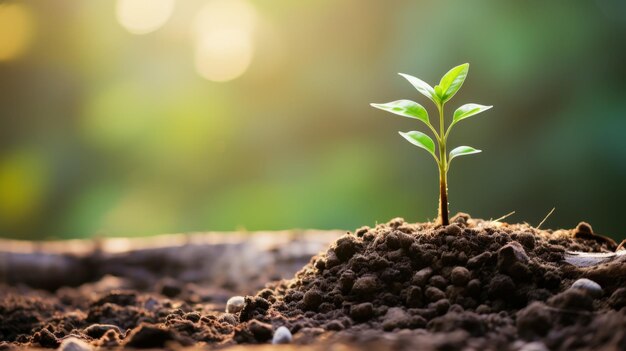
(261, 331)
(149, 336)
(460, 276)
(501, 286)
(365, 286)
(434, 294)
(362, 312)
(534, 320)
(421, 277)
(45, 338)
(96, 331)
(345, 247)
(618, 299)
(396, 318)
(312, 300)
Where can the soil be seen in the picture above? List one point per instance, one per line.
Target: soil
(471, 285)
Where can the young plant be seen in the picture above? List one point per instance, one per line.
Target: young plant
(439, 95)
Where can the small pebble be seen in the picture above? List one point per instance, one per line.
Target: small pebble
(588, 285)
(282, 335)
(235, 304)
(534, 346)
(74, 344)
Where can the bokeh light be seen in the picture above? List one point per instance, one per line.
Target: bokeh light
(22, 186)
(143, 16)
(223, 32)
(16, 30)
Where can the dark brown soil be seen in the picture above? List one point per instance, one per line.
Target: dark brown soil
(471, 285)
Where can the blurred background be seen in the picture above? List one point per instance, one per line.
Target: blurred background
(140, 117)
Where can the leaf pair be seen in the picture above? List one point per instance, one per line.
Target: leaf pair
(412, 109)
(425, 142)
(449, 85)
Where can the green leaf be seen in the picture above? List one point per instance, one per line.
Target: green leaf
(468, 110)
(452, 81)
(421, 140)
(405, 108)
(462, 151)
(423, 87)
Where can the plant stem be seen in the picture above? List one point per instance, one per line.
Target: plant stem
(442, 217)
(443, 198)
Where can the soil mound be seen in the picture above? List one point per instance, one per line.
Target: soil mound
(471, 285)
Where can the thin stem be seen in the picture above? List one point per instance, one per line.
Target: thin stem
(435, 133)
(445, 137)
(443, 172)
(443, 198)
(442, 141)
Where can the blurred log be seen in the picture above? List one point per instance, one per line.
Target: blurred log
(220, 258)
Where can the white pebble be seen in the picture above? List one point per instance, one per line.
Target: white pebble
(74, 344)
(282, 335)
(593, 288)
(534, 346)
(235, 304)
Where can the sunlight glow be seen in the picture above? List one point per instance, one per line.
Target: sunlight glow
(143, 16)
(22, 186)
(16, 30)
(223, 32)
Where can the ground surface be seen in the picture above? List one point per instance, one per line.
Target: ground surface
(473, 285)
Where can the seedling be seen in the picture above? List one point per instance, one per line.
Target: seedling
(439, 95)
